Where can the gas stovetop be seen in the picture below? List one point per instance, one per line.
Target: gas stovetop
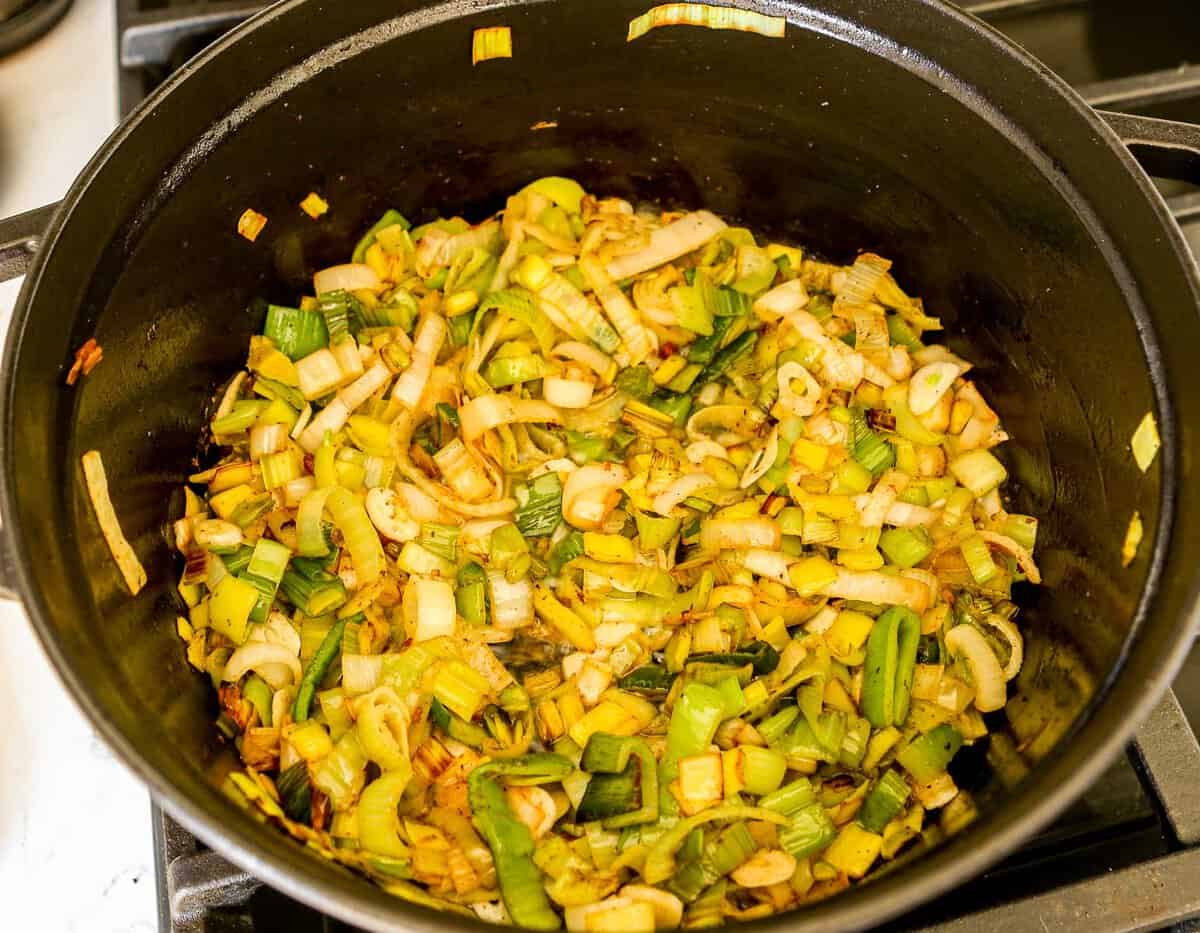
(1126, 856)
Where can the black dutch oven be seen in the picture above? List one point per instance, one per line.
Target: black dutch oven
(900, 126)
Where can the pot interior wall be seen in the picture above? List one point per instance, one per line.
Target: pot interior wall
(808, 138)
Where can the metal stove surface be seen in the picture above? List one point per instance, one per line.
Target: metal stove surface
(1125, 857)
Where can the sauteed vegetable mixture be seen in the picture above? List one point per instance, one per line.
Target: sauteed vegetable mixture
(605, 565)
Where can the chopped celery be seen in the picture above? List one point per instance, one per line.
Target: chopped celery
(867, 447)
(885, 801)
(269, 560)
(694, 721)
(566, 551)
(585, 448)
(542, 511)
(979, 559)
(295, 333)
(811, 831)
(441, 540)
(906, 547)
(460, 688)
(470, 596)
(979, 471)
(655, 531)
(316, 595)
(928, 755)
(342, 313)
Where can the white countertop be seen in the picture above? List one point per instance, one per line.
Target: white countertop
(75, 837)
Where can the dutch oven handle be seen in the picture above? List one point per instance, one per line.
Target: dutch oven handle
(1165, 149)
(20, 237)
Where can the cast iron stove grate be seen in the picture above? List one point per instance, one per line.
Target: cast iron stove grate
(1126, 857)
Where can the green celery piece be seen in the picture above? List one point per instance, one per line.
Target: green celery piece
(867, 447)
(584, 448)
(398, 308)
(472, 269)
(342, 313)
(460, 329)
(811, 832)
(471, 594)
(269, 388)
(755, 269)
(257, 691)
(566, 551)
(513, 370)
(884, 802)
(694, 721)
(294, 332)
(239, 560)
(928, 755)
(542, 512)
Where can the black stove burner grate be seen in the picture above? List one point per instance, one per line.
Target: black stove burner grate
(1124, 858)
(155, 37)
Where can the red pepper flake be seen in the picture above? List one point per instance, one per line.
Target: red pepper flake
(250, 224)
(667, 350)
(87, 358)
